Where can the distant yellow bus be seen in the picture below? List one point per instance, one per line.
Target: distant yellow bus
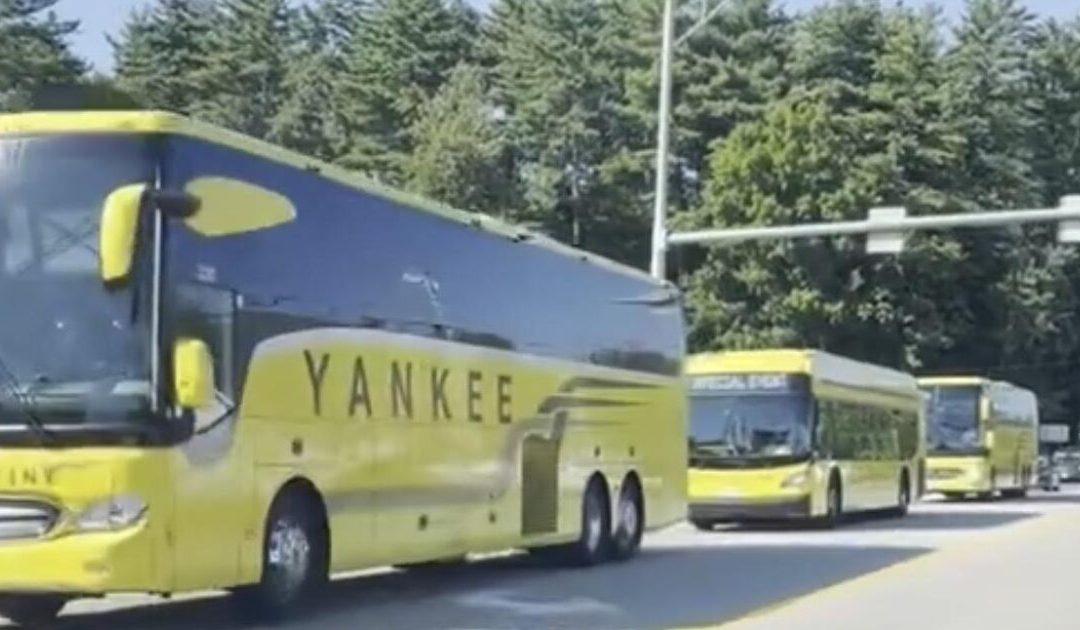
(792, 434)
(230, 367)
(983, 437)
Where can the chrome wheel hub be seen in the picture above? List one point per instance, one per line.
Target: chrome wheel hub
(290, 553)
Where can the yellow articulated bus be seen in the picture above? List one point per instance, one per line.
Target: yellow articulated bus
(229, 367)
(792, 434)
(983, 437)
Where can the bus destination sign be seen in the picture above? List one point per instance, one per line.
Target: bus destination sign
(736, 383)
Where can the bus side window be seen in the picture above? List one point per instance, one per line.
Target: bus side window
(208, 313)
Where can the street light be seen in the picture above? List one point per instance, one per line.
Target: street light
(658, 264)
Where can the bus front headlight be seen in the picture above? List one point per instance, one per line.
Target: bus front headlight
(114, 513)
(796, 480)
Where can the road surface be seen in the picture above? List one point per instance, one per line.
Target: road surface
(947, 565)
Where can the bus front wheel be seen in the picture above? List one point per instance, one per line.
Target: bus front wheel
(903, 497)
(31, 611)
(834, 504)
(295, 558)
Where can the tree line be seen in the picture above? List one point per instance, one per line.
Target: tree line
(544, 112)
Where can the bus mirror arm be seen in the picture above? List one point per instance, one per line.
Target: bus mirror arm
(175, 204)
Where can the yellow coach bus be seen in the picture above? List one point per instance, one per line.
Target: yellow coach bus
(983, 437)
(791, 434)
(229, 367)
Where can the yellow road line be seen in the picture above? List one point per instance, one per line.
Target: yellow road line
(968, 547)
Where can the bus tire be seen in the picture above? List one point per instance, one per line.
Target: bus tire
(992, 493)
(630, 525)
(31, 611)
(593, 545)
(903, 497)
(834, 503)
(703, 524)
(295, 557)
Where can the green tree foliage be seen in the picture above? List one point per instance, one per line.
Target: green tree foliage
(34, 51)
(800, 163)
(401, 55)
(460, 153)
(306, 121)
(561, 71)
(1055, 59)
(240, 79)
(159, 50)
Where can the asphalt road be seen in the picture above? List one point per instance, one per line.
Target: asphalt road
(942, 561)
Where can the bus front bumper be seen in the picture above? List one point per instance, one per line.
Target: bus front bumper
(80, 564)
(756, 510)
(958, 475)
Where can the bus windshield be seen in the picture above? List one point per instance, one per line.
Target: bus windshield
(954, 419)
(740, 428)
(71, 351)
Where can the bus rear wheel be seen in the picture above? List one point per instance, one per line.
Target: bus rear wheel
(903, 497)
(594, 543)
(630, 527)
(295, 559)
(31, 611)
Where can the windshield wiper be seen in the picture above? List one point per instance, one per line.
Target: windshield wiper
(25, 402)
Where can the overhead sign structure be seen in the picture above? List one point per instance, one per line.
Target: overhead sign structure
(886, 242)
(1054, 433)
(886, 228)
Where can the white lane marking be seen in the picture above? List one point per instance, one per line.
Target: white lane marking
(530, 606)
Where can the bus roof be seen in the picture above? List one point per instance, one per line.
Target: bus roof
(169, 123)
(819, 365)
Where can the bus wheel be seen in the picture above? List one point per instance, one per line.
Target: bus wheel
(903, 497)
(834, 504)
(295, 558)
(631, 520)
(702, 524)
(594, 544)
(31, 611)
(992, 493)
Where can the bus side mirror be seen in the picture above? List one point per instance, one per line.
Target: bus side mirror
(193, 374)
(117, 232)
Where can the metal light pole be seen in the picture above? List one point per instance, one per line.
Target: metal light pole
(658, 264)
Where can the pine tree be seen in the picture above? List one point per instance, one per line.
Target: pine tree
(402, 54)
(243, 65)
(460, 154)
(561, 74)
(987, 95)
(160, 49)
(306, 120)
(1055, 86)
(34, 51)
(723, 75)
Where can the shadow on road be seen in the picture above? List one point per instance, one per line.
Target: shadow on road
(914, 521)
(662, 588)
(1052, 498)
(944, 520)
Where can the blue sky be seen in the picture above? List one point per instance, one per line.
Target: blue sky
(99, 17)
